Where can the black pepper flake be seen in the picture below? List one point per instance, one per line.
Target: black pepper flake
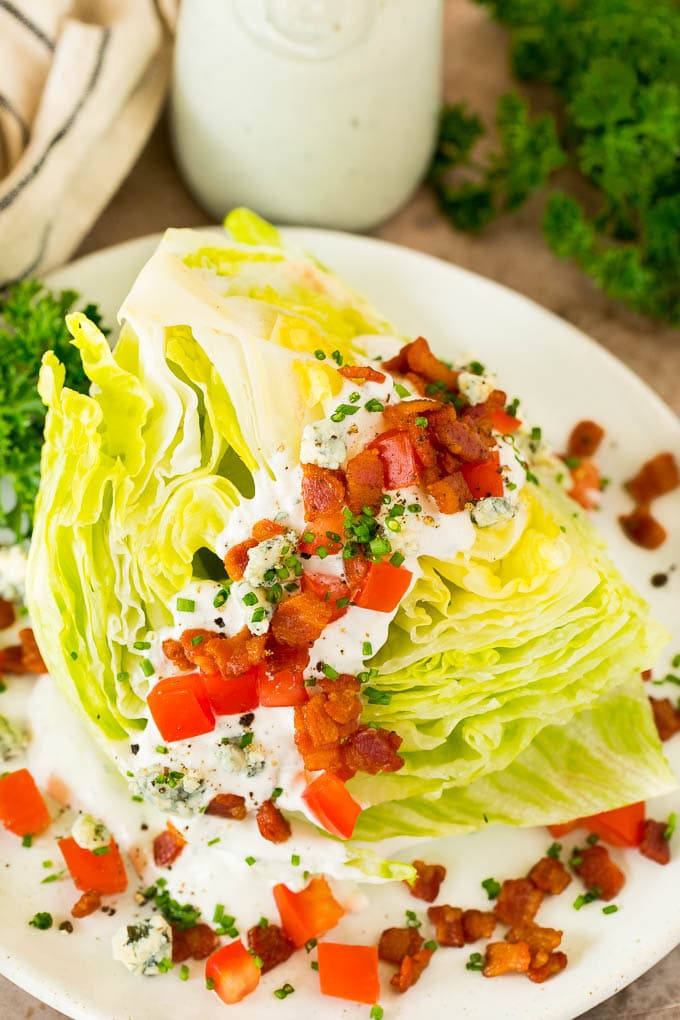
(247, 719)
(218, 621)
(67, 927)
(144, 827)
(659, 580)
(134, 748)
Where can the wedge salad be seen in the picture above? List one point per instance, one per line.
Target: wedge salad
(314, 593)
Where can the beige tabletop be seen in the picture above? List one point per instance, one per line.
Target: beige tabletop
(511, 251)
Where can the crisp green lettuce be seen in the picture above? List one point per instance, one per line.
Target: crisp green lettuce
(512, 671)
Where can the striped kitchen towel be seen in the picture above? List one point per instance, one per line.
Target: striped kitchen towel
(81, 85)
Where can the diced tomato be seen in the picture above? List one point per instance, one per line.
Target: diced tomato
(278, 688)
(232, 695)
(619, 827)
(309, 913)
(332, 804)
(349, 972)
(104, 872)
(22, 808)
(233, 972)
(181, 707)
(484, 478)
(327, 531)
(503, 422)
(329, 588)
(383, 587)
(398, 457)
(586, 483)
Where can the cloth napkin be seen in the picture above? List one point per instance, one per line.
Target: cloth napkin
(81, 85)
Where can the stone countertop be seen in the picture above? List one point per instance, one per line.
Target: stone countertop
(510, 251)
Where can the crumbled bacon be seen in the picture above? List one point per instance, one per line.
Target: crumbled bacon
(541, 941)
(401, 415)
(429, 877)
(167, 846)
(553, 965)
(655, 478)
(365, 481)
(518, 901)
(478, 924)
(87, 904)
(356, 569)
(373, 750)
(599, 872)
(417, 357)
(666, 717)
(585, 439)
(323, 491)
(195, 943)
(504, 958)
(646, 674)
(236, 559)
(7, 614)
(173, 651)
(265, 529)
(457, 436)
(480, 416)
(410, 970)
(450, 493)
(271, 944)
(271, 823)
(550, 876)
(229, 656)
(362, 373)
(300, 620)
(228, 805)
(396, 943)
(22, 658)
(642, 528)
(653, 843)
(448, 922)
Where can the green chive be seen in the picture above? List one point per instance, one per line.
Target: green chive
(342, 603)
(412, 919)
(263, 922)
(402, 391)
(366, 649)
(476, 367)
(314, 965)
(48, 864)
(491, 887)
(337, 416)
(284, 991)
(100, 851)
(308, 536)
(374, 405)
(337, 358)
(122, 676)
(250, 861)
(142, 645)
(421, 422)
(670, 825)
(185, 605)
(249, 599)
(137, 798)
(476, 962)
(74, 655)
(592, 839)
(209, 984)
(197, 640)
(611, 909)
(276, 793)
(536, 434)
(676, 662)
(396, 559)
(295, 860)
(258, 615)
(354, 397)
(212, 842)
(377, 1012)
(414, 508)
(322, 552)
(431, 945)
(554, 851)
(52, 878)
(27, 840)
(320, 355)
(221, 598)
(41, 920)
(311, 944)
(246, 739)
(161, 749)
(328, 671)
(184, 972)
(147, 667)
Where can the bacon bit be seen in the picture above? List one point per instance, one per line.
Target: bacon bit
(450, 493)
(194, 943)
(550, 876)
(362, 373)
(666, 717)
(365, 481)
(173, 651)
(653, 843)
(480, 416)
(370, 750)
(429, 877)
(355, 572)
(587, 483)
(504, 957)
(326, 720)
(642, 528)
(478, 924)
(271, 823)
(396, 943)
(410, 970)
(167, 846)
(87, 904)
(330, 589)
(418, 357)
(323, 491)
(228, 656)
(541, 941)
(554, 964)
(598, 871)
(448, 922)
(518, 901)
(7, 614)
(236, 559)
(585, 439)
(655, 478)
(300, 620)
(228, 805)
(646, 674)
(22, 658)
(271, 944)
(401, 415)
(265, 529)
(418, 383)
(456, 436)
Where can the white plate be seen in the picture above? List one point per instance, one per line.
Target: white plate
(562, 376)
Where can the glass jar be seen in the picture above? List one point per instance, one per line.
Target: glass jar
(319, 112)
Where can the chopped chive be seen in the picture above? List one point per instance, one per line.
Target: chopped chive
(147, 667)
(431, 945)
(374, 405)
(250, 861)
(377, 1012)
(295, 860)
(42, 920)
(491, 887)
(670, 826)
(218, 913)
(185, 605)
(221, 598)
(412, 919)
(48, 864)
(611, 909)
(402, 391)
(592, 839)
(421, 422)
(513, 407)
(554, 851)
(209, 984)
(27, 840)
(414, 508)
(572, 462)
(675, 663)
(536, 434)
(319, 355)
(258, 615)
(74, 655)
(122, 675)
(52, 878)
(100, 851)
(396, 559)
(476, 962)
(342, 603)
(337, 358)
(366, 649)
(246, 739)
(184, 972)
(314, 965)
(257, 960)
(137, 798)
(392, 524)
(311, 944)
(249, 599)
(197, 639)
(212, 842)
(328, 671)
(263, 922)
(284, 991)
(476, 367)
(141, 645)
(337, 416)
(161, 749)
(322, 552)
(354, 397)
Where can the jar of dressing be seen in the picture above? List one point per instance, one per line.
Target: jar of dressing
(319, 112)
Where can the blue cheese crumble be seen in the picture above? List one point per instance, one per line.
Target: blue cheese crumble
(323, 445)
(492, 510)
(90, 833)
(178, 793)
(143, 946)
(13, 739)
(475, 388)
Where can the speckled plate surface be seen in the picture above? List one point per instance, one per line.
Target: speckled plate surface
(562, 376)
